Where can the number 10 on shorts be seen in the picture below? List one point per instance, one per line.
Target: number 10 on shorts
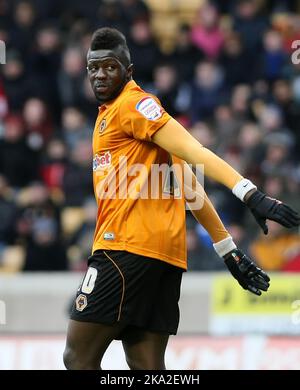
(88, 283)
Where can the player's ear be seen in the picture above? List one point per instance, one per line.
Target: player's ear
(129, 72)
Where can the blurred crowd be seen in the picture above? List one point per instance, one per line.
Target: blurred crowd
(228, 77)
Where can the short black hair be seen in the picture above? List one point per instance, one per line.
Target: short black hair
(107, 38)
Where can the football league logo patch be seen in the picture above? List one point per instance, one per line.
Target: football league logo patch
(102, 126)
(81, 302)
(149, 108)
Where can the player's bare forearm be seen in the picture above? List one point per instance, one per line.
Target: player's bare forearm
(175, 139)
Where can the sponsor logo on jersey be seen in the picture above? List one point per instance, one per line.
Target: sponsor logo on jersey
(102, 126)
(81, 302)
(149, 108)
(101, 161)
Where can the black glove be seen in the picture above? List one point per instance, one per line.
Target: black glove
(263, 207)
(245, 271)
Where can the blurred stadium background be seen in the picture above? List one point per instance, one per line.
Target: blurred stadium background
(224, 69)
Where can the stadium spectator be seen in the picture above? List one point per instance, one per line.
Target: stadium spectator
(53, 165)
(75, 127)
(44, 249)
(143, 46)
(206, 33)
(71, 76)
(185, 54)
(77, 180)
(174, 96)
(37, 120)
(18, 160)
(206, 91)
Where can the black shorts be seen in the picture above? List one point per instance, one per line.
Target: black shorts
(129, 289)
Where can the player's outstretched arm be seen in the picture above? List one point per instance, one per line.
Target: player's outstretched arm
(175, 139)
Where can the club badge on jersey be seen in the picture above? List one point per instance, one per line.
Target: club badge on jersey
(102, 126)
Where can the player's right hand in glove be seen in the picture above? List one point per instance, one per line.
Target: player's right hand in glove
(246, 272)
(263, 207)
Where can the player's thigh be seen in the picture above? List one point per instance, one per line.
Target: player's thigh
(89, 341)
(145, 350)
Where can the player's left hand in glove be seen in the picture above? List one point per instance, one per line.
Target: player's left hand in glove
(246, 272)
(263, 207)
